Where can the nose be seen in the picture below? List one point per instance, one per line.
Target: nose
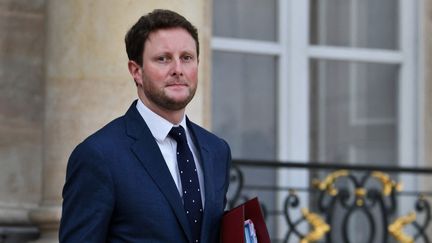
(177, 69)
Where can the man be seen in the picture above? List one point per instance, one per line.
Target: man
(151, 175)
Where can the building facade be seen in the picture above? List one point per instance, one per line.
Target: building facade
(63, 75)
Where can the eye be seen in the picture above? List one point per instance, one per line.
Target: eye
(162, 59)
(188, 58)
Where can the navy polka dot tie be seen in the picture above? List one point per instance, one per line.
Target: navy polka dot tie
(189, 180)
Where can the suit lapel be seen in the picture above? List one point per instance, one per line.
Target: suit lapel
(207, 165)
(209, 194)
(147, 151)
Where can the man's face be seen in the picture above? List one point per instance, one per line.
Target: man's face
(169, 70)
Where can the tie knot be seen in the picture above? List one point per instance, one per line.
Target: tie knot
(178, 134)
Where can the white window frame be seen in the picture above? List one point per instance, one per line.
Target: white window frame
(293, 97)
(293, 52)
(293, 108)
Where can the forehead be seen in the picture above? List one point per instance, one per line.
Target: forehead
(173, 39)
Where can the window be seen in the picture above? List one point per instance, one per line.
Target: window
(317, 80)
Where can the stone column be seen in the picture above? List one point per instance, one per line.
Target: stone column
(21, 102)
(88, 84)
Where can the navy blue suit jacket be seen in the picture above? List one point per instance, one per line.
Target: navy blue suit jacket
(119, 189)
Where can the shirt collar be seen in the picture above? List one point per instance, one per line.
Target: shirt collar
(159, 126)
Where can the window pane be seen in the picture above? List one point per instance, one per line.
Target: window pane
(244, 108)
(354, 112)
(252, 19)
(355, 23)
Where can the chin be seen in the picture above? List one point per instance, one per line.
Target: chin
(178, 104)
(180, 98)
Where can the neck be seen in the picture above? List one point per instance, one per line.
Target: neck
(173, 116)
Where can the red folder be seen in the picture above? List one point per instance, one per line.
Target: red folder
(232, 230)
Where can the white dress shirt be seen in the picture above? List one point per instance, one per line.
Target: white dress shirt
(160, 127)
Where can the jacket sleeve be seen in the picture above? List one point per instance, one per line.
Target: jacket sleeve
(88, 197)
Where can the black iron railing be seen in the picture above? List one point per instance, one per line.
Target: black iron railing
(339, 202)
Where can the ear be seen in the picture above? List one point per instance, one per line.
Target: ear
(135, 71)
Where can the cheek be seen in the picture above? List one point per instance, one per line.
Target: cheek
(192, 73)
(155, 73)
(155, 76)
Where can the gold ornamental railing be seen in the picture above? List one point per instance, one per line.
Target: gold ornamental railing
(338, 203)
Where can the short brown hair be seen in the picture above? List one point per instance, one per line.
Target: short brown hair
(157, 19)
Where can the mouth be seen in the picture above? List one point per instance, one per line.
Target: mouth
(177, 84)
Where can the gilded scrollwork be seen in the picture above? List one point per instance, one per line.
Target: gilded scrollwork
(328, 183)
(318, 227)
(396, 228)
(388, 185)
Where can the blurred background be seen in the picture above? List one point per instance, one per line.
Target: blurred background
(290, 84)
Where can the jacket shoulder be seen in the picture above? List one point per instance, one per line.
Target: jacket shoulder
(209, 137)
(107, 136)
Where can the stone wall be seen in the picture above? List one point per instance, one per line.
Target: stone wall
(21, 107)
(63, 75)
